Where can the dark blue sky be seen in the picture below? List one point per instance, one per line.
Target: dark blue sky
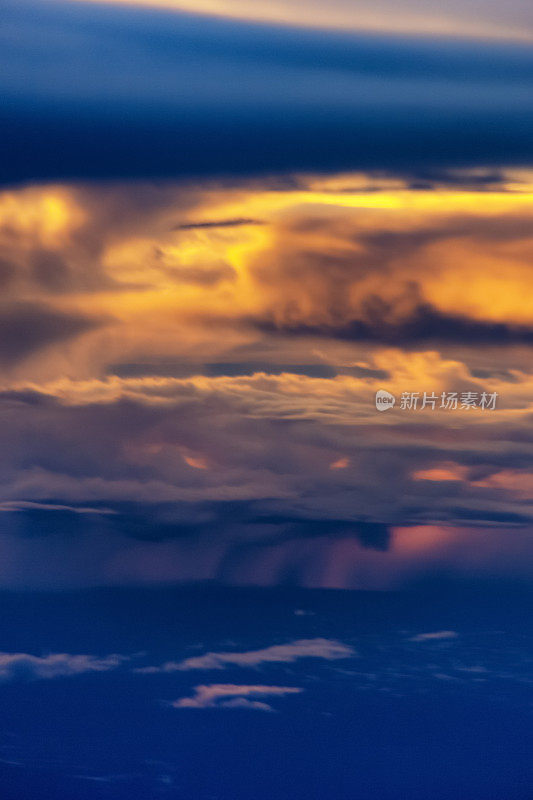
(94, 91)
(414, 695)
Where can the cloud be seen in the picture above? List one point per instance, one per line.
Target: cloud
(222, 223)
(424, 325)
(23, 666)
(27, 328)
(434, 636)
(35, 555)
(226, 695)
(340, 463)
(281, 513)
(327, 649)
(28, 505)
(267, 433)
(329, 263)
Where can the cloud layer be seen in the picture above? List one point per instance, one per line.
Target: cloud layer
(210, 412)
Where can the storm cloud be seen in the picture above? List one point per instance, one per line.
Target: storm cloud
(188, 395)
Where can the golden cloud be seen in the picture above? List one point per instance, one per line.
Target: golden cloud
(338, 268)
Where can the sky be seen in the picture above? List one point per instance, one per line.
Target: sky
(226, 231)
(100, 91)
(475, 18)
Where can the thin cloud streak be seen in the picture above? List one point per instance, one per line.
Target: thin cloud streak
(227, 695)
(326, 649)
(23, 666)
(435, 636)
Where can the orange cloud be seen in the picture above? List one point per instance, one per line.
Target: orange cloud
(443, 472)
(518, 483)
(195, 461)
(183, 278)
(341, 463)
